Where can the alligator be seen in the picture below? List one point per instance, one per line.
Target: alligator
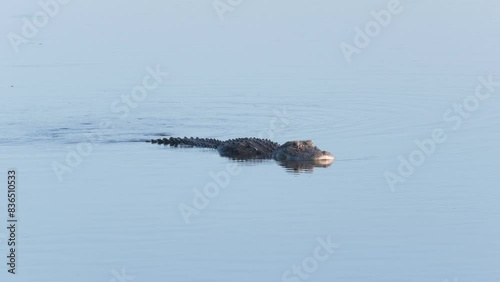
(291, 153)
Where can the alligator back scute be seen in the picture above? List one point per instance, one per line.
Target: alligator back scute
(247, 148)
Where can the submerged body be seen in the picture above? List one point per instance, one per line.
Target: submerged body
(255, 148)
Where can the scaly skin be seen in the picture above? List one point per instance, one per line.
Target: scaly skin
(191, 142)
(254, 148)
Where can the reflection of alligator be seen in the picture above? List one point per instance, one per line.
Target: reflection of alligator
(256, 148)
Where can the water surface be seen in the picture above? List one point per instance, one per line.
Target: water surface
(119, 207)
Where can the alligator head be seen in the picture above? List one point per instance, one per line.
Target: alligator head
(302, 151)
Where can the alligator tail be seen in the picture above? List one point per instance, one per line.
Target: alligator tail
(187, 141)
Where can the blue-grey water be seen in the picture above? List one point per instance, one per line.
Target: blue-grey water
(95, 205)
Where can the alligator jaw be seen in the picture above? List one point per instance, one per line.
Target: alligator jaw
(301, 151)
(326, 156)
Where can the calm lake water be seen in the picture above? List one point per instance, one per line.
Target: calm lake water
(114, 212)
